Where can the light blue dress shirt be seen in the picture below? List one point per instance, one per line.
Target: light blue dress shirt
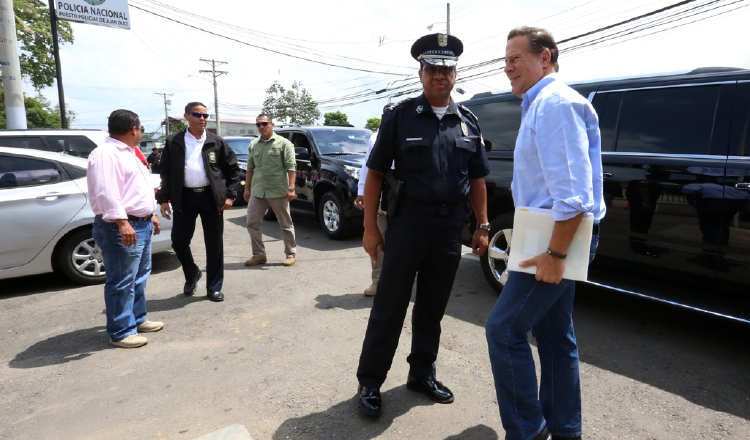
(557, 163)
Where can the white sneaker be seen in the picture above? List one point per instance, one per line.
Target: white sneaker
(150, 326)
(372, 290)
(131, 341)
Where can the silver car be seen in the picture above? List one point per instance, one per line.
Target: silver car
(46, 219)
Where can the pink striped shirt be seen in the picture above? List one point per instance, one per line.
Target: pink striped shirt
(118, 182)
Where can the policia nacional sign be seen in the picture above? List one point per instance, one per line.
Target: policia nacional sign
(110, 13)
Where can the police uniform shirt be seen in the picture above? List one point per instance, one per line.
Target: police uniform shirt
(435, 158)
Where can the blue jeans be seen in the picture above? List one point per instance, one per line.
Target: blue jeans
(127, 270)
(547, 310)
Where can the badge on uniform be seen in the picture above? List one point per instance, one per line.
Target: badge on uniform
(464, 128)
(419, 109)
(212, 157)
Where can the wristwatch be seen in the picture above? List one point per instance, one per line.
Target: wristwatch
(485, 226)
(556, 254)
(290, 188)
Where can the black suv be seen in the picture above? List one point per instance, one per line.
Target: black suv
(328, 162)
(676, 157)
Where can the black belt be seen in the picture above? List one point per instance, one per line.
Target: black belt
(198, 190)
(409, 204)
(141, 219)
(595, 229)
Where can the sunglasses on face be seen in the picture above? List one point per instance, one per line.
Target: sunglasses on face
(262, 124)
(143, 129)
(200, 115)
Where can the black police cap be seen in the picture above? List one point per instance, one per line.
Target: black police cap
(437, 49)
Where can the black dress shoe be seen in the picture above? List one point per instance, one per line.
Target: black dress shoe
(190, 285)
(369, 400)
(432, 388)
(544, 435)
(215, 296)
(557, 437)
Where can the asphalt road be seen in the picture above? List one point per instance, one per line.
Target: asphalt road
(279, 357)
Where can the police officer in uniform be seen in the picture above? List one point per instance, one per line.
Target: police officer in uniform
(439, 156)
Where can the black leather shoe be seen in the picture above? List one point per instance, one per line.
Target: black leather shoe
(544, 435)
(215, 296)
(190, 285)
(432, 388)
(369, 400)
(557, 437)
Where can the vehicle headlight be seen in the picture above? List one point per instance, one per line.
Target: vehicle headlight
(352, 171)
(242, 165)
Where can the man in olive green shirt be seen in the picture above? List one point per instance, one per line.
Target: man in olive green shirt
(271, 170)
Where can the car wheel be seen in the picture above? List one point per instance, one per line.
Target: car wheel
(331, 215)
(495, 261)
(269, 215)
(80, 259)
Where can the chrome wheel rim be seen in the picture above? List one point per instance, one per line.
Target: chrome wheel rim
(498, 254)
(87, 259)
(331, 216)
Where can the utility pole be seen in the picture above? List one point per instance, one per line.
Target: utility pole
(448, 30)
(11, 70)
(167, 102)
(58, 68)
(215, 73)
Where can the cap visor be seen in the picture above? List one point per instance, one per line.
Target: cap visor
(440, 62)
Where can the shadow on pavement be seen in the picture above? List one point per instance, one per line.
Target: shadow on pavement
(307, 231)
(344, 420)
(72, 346)
(479, 432)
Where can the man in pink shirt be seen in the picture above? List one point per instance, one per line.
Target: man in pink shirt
(123, 201)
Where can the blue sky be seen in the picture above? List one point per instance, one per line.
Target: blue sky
(106, 68)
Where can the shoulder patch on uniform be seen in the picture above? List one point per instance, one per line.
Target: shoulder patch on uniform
(466, 109)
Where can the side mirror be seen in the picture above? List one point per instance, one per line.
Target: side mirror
(301, 153)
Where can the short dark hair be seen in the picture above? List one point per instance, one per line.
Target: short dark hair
(191, 105)
(539, 39)
(264, 115)
(121, 121)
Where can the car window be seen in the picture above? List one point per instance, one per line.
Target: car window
(239, 146)
(79, 146)
(499, 122)
(73, 171)
(21, 171)
(284, 134)
(607, 106)
(27, 142)
(341, 141)
(678, 120)
(301, 140)
(740, 140)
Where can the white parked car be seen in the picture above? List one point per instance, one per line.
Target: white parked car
(46, 219)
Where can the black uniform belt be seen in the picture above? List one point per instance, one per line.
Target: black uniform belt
(409, 204)
(141, 219)
(198, 190)
(595, 229)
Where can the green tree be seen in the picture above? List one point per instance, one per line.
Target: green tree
(373, 124)
(176, 127)
(293, 105)
(34, 36)
(335, 118)
(39, 113)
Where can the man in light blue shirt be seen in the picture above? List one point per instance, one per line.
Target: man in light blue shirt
(556, 165)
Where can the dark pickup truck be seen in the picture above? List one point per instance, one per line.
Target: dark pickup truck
(676, 164)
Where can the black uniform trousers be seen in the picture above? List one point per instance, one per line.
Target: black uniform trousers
(201, 204)
(414, 243)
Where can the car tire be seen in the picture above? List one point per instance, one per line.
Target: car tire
(331, 215)
(80, 259)
(269, 215)
(494, 262)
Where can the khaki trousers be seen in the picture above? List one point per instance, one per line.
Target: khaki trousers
(377, 266)
(256, 208)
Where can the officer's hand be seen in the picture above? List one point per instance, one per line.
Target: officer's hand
(157, 225)
(126, 232)
(227, 204)
(166, 211)
(246, 195)
(371, 241)
(479, 242)
(548, 268)
(359, 202)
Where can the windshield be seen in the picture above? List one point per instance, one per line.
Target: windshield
(240, 145)
(342, 141)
